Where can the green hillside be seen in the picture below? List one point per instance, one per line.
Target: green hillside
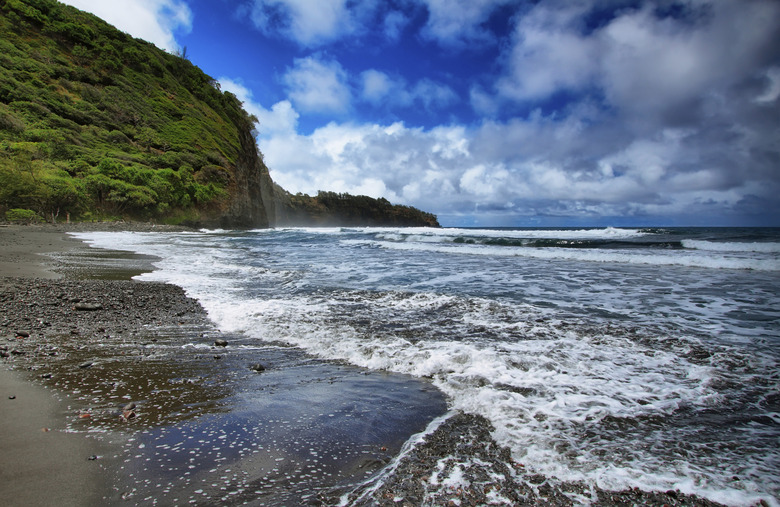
(98, 124)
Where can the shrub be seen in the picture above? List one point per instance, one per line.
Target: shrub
(18, 215)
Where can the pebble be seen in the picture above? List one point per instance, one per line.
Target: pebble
(219, 342)
(88, 307)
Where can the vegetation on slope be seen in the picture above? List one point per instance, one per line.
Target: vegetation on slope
(96, 124)
(341, 209)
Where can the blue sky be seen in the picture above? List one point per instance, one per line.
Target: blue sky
(502, 112)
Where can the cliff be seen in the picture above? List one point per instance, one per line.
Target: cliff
(95, 124)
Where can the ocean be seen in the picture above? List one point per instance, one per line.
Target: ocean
(622, 358)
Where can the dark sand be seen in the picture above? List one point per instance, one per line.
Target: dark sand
(234, 425)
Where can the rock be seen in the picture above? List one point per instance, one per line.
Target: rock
(219, 342)
(86, 365)
(23, 334)
(257, 367)
(87, 307)
(12, 397)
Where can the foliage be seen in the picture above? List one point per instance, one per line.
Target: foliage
(96, 123)
(22, 216)
(331, 208)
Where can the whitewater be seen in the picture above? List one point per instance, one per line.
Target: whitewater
(615, 357)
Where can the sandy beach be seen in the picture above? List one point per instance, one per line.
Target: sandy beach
(122, 392)
(41, 464)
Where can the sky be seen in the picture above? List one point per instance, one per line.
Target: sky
(501, 112)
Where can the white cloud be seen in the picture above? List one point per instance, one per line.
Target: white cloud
(281, 119)
(433, 95)
(549, 54)
(318, 86)
(381, 89)
(378, 87)
(512, 169)
(459, 23)
(642, 62)
(309, 23)
(155, 21)
(312, 24)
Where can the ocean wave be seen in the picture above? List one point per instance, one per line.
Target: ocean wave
(544, 394)
(713, 246)
(671, 258)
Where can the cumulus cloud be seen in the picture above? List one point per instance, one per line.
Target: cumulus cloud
(313, 24)
(309, 23)
(378, 87)
(381, 89)
(460, 23)
(642, 61)
(318, 85)
(155, 21)
(537, 166)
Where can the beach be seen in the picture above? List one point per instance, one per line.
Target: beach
(100, 373)
(123, 392)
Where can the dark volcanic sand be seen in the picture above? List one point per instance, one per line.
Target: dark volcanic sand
(241, 424)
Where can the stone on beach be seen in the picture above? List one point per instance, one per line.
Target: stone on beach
(88, 307)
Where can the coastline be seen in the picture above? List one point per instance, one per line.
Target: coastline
(44, 462)
(163, 358)
(81, 343)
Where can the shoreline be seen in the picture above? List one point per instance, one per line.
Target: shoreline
(150, 345)
(81, 343)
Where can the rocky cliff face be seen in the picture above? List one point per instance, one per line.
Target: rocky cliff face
(252, 200)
